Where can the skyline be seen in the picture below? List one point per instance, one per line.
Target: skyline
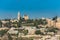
(33, 8)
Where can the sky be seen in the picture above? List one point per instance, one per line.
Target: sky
(33, 8)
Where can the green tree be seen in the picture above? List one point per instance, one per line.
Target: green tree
(19, 23)
(2, 32)
(29, 21)
(52, 29)
(43, 21)
(38, 32)
(22, 19)
(55, 20)
(9, 37)
(25, 32)
(9, 24)
(40, 21)
(36, 23)
(15, 24)
(0, 23)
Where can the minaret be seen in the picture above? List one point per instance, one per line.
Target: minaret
(18, 15)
